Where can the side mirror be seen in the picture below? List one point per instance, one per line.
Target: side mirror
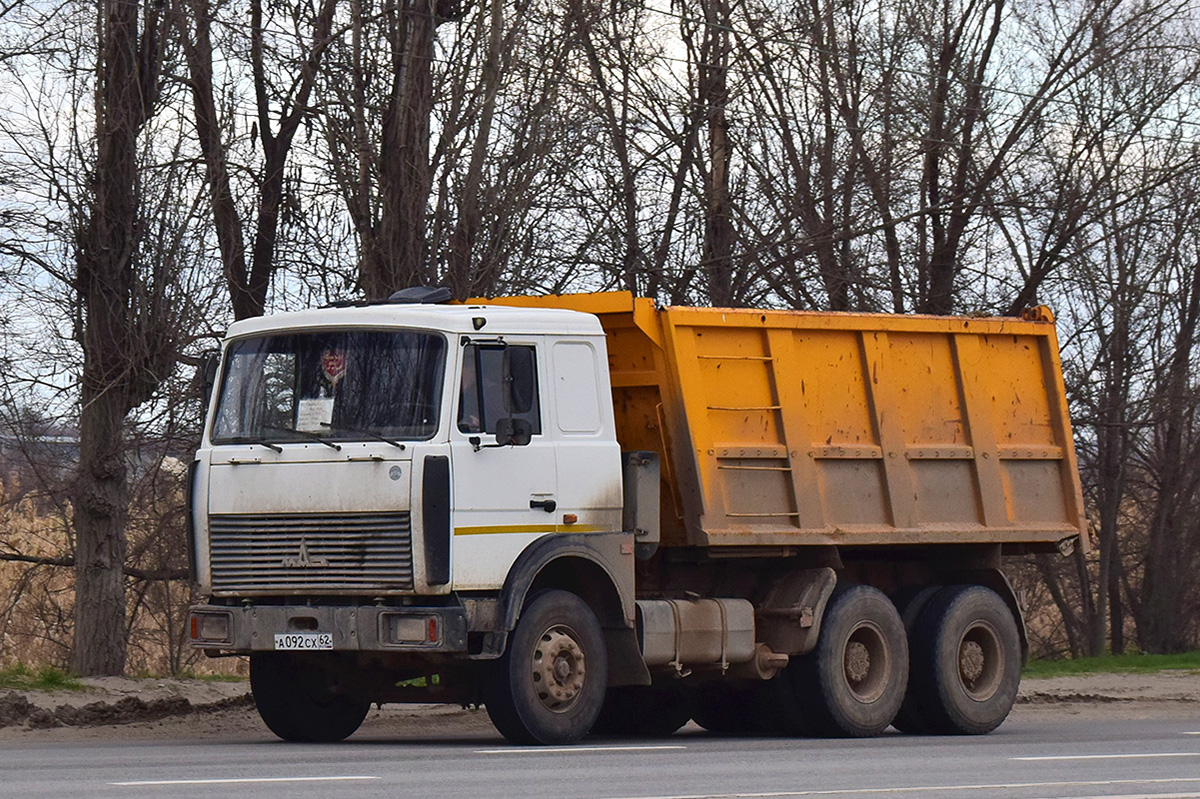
(514, 432)
(206, 373)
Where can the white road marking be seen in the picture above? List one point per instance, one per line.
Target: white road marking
(1135, 756)
(1197, 732)
(242, 780)
(1187, 795)
(538, 750)
(932, 788)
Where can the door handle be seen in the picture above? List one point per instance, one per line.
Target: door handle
(547, 505)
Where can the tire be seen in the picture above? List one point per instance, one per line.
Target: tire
(549, 685)
(299, 702)
(853, 683)
(648, 711)
(966, 661)
(909, 603)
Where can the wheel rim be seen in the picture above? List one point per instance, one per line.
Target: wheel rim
(559, 669)
(980, 661)
(866, 662)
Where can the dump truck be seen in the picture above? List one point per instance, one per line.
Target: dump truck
(589, 513)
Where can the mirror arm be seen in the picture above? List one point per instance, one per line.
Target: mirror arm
(477, 443)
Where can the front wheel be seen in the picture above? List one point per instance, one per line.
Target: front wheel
(548, 686)
(300, 701)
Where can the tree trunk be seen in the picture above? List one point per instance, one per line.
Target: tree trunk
(470, 211)
(249, 282)
(395, 252)
(1163, 629)
(119, 366)
(1161, 623)
(615, 108)
(100, 514)
(714, 94)
(198, 51)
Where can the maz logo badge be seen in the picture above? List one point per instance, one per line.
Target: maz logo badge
(303, 561)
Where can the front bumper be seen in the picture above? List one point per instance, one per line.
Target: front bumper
(365, 628)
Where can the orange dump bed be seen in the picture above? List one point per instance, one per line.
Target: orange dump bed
(798, 428)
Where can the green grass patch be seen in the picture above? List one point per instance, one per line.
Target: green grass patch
(48, 678)
(421, 682)
(1113, 664)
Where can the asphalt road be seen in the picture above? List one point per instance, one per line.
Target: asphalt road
(1022, 760)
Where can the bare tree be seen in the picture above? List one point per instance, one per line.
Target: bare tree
(380, 103)
(279, 112)
(712, 59)
(1172, 446)
(125, 334)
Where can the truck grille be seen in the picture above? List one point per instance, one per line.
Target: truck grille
(311, 553)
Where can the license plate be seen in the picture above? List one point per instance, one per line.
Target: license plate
(304, 640)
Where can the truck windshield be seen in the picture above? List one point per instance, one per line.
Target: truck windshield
(335, 384)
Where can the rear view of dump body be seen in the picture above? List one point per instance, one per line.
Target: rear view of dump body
(793, 428)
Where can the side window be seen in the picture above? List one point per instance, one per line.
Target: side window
(576, 392)
(498, 382)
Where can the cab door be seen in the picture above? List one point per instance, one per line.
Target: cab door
(588, 455)
(504, 475)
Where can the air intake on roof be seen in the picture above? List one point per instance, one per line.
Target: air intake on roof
(421, 295)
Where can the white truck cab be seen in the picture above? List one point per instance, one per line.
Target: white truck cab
(371, 478)
(351, 412)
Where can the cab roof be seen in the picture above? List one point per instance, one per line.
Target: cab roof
(453, 319)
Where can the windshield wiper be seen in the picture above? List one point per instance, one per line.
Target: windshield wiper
(258, 441)
(305, 434)
(362, 432)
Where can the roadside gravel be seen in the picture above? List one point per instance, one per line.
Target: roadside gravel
(168, 709)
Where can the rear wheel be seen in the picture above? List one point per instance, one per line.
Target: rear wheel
(966, 661)
(301, 701)
(651, 711)
(909, 603)
(549, 685)
(852, 684)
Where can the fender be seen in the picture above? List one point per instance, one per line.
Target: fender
(599, 567)
(606, 551)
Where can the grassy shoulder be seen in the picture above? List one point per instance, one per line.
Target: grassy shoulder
(1112, 664)
(48, 678)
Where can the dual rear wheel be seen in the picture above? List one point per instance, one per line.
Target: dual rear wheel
(965, 664)
(852, 684)
(940, 660)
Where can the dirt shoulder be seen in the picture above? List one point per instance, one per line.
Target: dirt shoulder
(177, 709)
(1163, 695)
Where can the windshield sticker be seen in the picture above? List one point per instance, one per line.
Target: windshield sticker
(314, 415)
(333, 365)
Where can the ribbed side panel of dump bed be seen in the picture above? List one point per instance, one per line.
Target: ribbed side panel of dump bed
(794, 428)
